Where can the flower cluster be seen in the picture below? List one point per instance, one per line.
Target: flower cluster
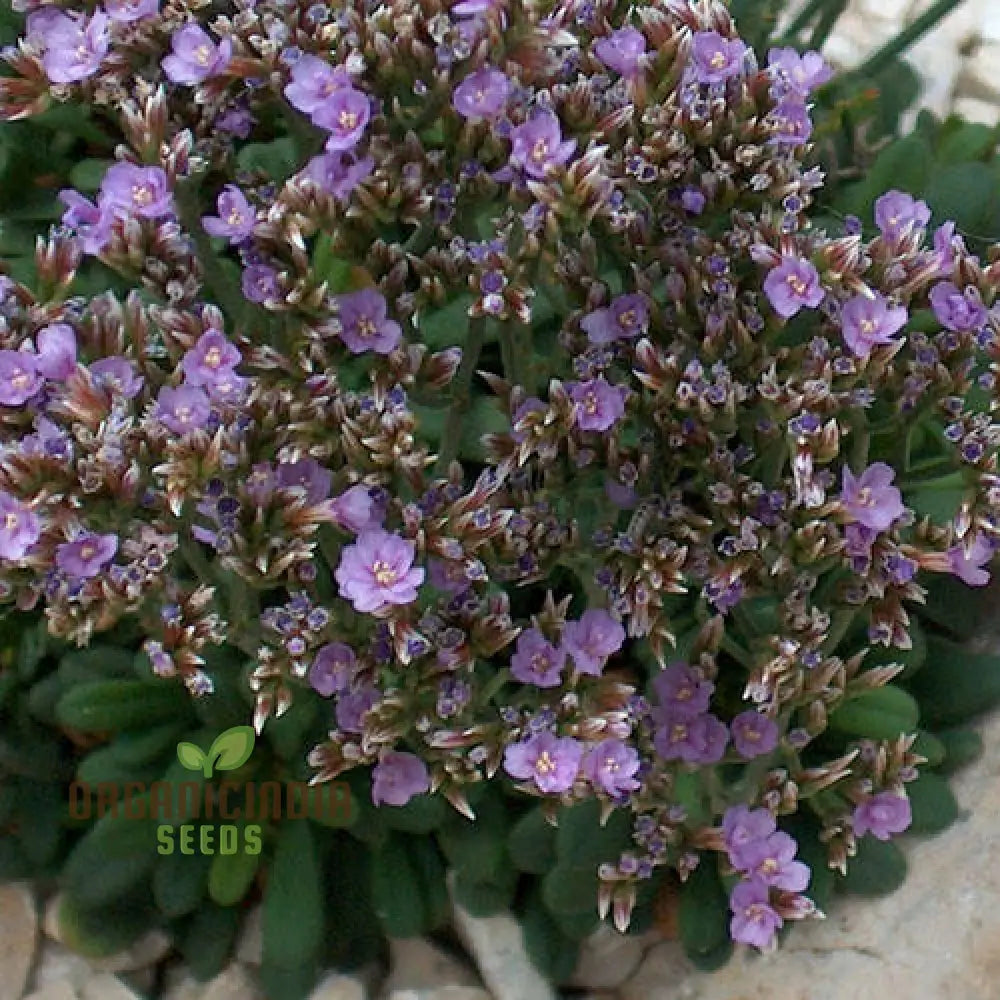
(484, 380)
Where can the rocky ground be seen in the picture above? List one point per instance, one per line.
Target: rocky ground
(937, 937)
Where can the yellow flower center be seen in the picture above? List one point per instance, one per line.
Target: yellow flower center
(366, 328)
(213, 357)
(679, 731)
(540, 151)
(11, 520)
(141, 194)
(384, 573)
(796, 284)
(20, 379)
(202, 55)
(348, 119)
(88, 550)
(545, 764)
(717, 61)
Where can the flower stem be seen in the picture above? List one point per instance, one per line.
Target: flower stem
(461, 395)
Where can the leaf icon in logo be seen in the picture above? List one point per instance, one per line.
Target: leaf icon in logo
(229, 750)
(191, 756)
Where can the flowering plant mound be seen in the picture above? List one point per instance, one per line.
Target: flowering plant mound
(485, 420)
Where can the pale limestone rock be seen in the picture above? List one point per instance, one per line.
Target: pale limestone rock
(416, 964)
(335, 986)
(106, 986)
(975, 110)
(56, 990)
(979, 77)
(894, 11)
(937, 937)
(607, 959)
(58, 964)
(141, 954)
(18, 938)
(497, 945)
(235, 982)
(441, 993)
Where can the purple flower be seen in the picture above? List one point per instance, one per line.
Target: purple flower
(235, 121)
(352, 706)
(305, 474)
(693, 201)
(195, 56)
(236, 217)
(74, 47)
(212, 357)
(611, 766)
(792, 285)
(626, 316)
(599, 405)
(338, 173)
(742, 828)
(699, 739)
(260, 283)
(882, 815)
(797, 74)
(184, 409)
(313, 80)
(538, 145)
(897, 212)
(92, 223)
(19, 528)
(86, 555)
(20, 378)
(359, 508)
(397, 777)
(592, 639)
(716, 59)
(772, 861)
(753, 734)
(130, 190)
(56, 351)
(378, 570)
(536, 661)
(345, 115)
(682, 690)
(955, 309)
(332, 671)
(868, 321)
(791, 121)
(482, 95)
(127, 11)
(755, 921)
(364, 326)
(870, 498)
(968, 566)
(228, 387)
(622, 51)
(447, 575)
(551, 763)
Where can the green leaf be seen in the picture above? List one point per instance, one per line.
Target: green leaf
(422, 814)
(912, 659)
(966, 193)
(704, 913)
(192, 757)
(550, 950)
(122, 704)
(879, 713)
(962, 746)
(532, 843)
(231, 749)
(571, 889)
(879, 867)
(447, 325)
(121, 849)
(293, 925)
(904, 165)
(277, 159)
(956, 684)
(961, 141)
(232, 875)
(932, 802)
(205, 939)
(928, 745)
(482, 898)
(396, 893)
(87, 175)
(101, 931)
(180, 882)
(582, 840)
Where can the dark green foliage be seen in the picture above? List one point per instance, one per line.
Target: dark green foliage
(879, 713)
(960, 684)
(933, 804)
(704, 916)
(878, 868)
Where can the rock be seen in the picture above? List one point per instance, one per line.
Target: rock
(56, 990)
(978, 78)
(416, 964)
(938, 936)
(335, 986)
(141, 954)
(18, 938)
(235, 982)
(441, 993)
(497, 945)
(106, 986)
(250, 946)
(58, 964)
(893, 11)
(983, 112)
(607, 959)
